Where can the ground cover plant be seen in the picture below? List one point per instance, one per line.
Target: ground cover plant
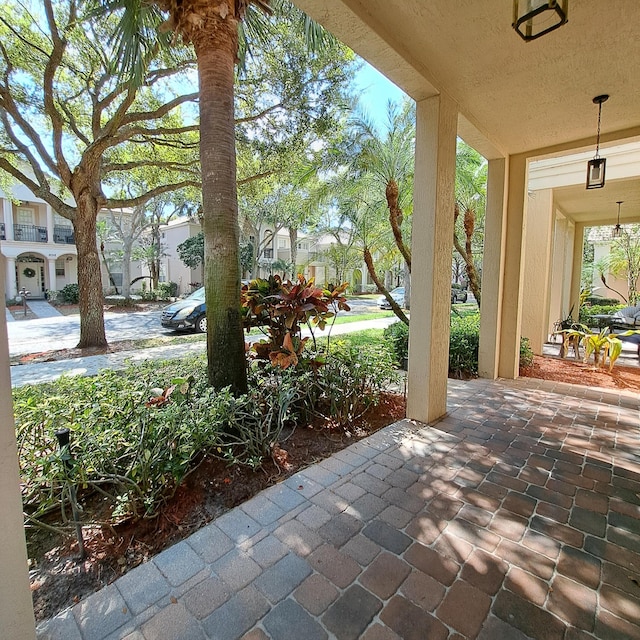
(145, 440)
(156, 454)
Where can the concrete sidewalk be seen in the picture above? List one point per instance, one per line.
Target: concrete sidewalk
(515, 517)
(42, 309)
(91, 365)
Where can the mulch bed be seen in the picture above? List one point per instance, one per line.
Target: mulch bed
(59, 579)
(576, 372)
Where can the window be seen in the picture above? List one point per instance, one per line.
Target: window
(25, 216)
(303, 246)
(282, 243)
(60, 266)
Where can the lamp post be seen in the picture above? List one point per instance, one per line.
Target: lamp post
(64, 443)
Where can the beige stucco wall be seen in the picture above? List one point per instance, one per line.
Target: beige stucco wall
(492, 268)
(431, 252)
(174, 269)
(537, 272)
(561, 248)
(16, 612)
(513, 272)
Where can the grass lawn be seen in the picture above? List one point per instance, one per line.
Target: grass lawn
(359, 317)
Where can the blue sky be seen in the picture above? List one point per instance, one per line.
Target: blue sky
(375, 92)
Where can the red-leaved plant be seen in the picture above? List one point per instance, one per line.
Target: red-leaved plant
(283, 308)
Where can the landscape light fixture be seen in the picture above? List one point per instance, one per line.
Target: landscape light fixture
(596, 167)
(534, 18)
(617, 230)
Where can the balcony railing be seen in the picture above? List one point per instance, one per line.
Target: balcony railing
(2, 233)
(63, 234)
(268, 253)
(29, 233)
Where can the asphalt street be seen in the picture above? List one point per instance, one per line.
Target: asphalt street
(63, 332)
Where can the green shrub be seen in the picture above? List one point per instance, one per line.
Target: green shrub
(136, 433)
(463, 346)
(134, 449)
(148, 294)
(587, 313)
(526, 354)
(349, 381)
(397, 336)
(70, 294)
(166, 290)
(599, 301)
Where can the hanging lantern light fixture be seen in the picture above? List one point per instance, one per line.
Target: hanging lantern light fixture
(596, 166)
(534, 18)
(617, 230)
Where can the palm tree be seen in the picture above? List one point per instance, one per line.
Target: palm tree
(471, 181)
(216, 29)
(390, 159)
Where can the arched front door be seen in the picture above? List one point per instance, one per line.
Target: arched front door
(30, 275)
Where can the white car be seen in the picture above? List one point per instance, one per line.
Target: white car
(397, 294)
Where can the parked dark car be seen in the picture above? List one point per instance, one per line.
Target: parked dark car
(458, 294)
(189, 313)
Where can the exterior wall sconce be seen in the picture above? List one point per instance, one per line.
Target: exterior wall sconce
(596, 167)
(534, 18)
(617, 230)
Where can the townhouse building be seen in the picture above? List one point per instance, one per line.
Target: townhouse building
(40, 251)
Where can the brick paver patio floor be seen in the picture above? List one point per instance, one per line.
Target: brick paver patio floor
(515, 516)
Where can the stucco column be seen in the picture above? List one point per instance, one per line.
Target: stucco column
(16, 611)
(568, 263)
(492, 268)
(431, 243)
(51, 265)
(537, 271)
(50, 227)
(556, 311)
(10, 286)
(576, 269)
(511, 312)
(7, 218)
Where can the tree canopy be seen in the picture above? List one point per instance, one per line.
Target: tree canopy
(70, 128)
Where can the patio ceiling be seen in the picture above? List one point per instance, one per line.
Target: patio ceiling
(598, 207)
(514, 97)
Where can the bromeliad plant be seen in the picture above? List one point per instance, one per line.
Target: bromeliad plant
(282, 308)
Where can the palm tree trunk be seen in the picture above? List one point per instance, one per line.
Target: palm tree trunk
(216, 54)
(395, 219)
(368, 259)
(293, 252)
(91, 302)
(466, 252)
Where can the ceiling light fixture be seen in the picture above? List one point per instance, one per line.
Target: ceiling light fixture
(534, 18)
(617, 230)
(596, 167)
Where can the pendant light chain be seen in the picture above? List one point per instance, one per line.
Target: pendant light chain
(598, 136)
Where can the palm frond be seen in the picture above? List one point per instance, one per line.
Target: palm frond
(136, 37)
